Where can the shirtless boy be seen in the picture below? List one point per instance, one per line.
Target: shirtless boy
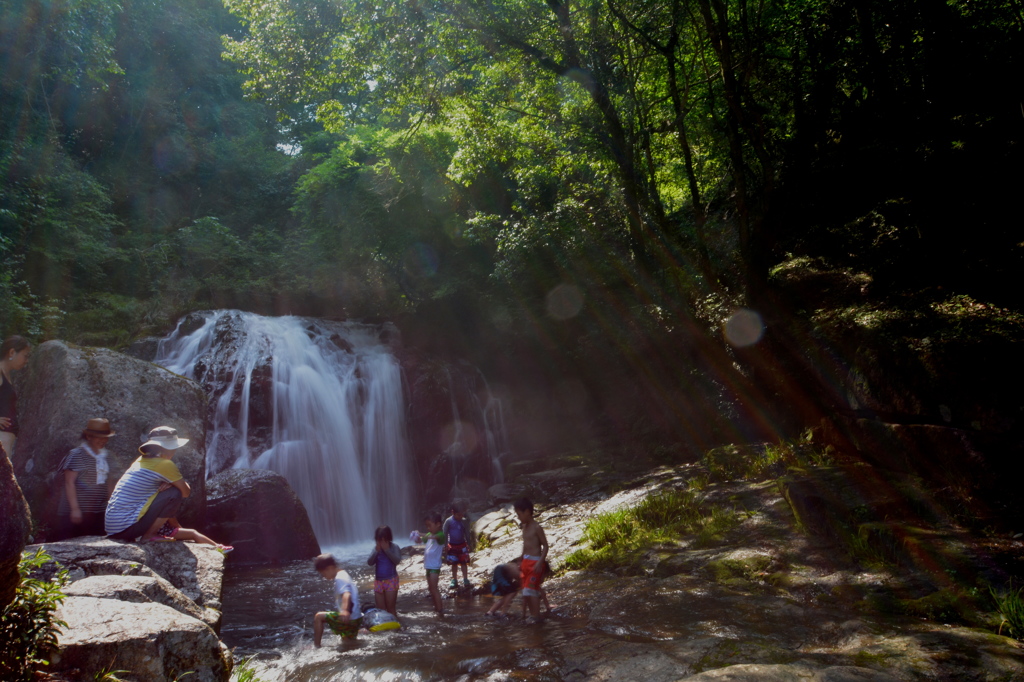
(535, 552)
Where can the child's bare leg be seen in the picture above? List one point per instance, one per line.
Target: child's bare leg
(318, 627)
(544, 598)
(502, 604)
(379, 601)
(151, 532)
(533, 603)
(465, 573)
(391, 602)
(435, 593)
(194, 536)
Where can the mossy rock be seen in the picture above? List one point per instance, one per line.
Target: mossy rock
(948, 606)
(907, 545)
(730, 461)
(738, 567)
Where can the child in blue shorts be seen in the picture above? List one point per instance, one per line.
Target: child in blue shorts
(347, 619)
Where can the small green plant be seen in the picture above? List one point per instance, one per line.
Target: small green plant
(699, 482)
(1010, 605)
(28, 628)
(245, 671)
(109, 675)
(766, 461)
(483, 542)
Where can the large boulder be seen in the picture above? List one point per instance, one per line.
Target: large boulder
(135, 588)
(15, 525)
(197, 571)
(151, 641)
(64, 386)
(257, 512)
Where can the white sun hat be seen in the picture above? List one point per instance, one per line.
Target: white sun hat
(166, 437)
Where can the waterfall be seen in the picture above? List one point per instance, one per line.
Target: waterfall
(319, 402)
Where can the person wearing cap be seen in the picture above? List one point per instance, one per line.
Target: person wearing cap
(146, 499)
(87, 483)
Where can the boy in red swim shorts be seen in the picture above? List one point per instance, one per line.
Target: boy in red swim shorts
(535, 552)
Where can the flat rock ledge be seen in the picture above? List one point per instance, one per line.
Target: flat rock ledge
(149, 641)
(152, 610)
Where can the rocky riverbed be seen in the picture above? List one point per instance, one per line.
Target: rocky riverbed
(770, 599)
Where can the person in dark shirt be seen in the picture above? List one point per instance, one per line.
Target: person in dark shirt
(13, 356)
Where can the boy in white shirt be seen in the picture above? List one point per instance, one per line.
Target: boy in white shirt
(347, 619)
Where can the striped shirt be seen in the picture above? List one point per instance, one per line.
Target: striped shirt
(92, 496)
(136, 490)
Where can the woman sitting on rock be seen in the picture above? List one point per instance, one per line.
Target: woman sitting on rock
(146, 499)
(87, 483)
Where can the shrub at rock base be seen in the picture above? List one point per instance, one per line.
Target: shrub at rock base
(28, 626)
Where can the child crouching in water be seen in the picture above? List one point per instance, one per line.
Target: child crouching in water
(385, 557)
(345, 621)
(432, 553)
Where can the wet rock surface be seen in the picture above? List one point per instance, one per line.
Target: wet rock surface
(259, 514)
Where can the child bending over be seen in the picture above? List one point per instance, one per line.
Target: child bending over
(345, 621)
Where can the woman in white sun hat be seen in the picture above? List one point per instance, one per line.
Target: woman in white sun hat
(145, 501)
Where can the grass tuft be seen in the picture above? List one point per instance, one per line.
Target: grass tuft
(619, 539)
(1010, 605)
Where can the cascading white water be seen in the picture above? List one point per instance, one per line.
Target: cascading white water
(337, 418)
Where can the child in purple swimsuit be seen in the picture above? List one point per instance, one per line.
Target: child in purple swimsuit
(385, 557)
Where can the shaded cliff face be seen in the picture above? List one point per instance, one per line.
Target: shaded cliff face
(458, 429)
(919, 382)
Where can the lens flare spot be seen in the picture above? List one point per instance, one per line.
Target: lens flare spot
(564, 301)
(744, 328)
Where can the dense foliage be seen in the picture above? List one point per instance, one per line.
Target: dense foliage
(594, 181)
(28, 626)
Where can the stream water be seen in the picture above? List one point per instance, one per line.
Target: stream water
(269, 613)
